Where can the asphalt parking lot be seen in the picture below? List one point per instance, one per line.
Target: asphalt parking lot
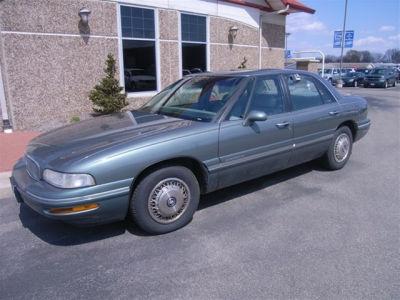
(302, 233)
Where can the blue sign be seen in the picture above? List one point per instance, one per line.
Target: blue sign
(348, 39)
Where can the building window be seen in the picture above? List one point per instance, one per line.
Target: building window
(194, 43)
(139, 49)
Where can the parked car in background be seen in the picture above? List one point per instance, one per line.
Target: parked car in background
(330, 74)
(137, 79)
(363, 70)
(353, 79)
(380, 77)
(202, 133)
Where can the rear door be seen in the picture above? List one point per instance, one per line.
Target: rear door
(315, 116)
(263, 147)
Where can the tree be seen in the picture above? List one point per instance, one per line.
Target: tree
(392, 56)
(352, 56)
(106, 96)
(366, 57)
(331, 58)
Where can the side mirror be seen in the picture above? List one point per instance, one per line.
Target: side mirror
(254, 116)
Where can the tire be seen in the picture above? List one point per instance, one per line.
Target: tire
(365, 85)
(355, 83)
(330, 81)
(337, 159)
(173, 188)
(394, 83)
(385, 86)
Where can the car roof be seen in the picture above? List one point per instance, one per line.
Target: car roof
(250, 73)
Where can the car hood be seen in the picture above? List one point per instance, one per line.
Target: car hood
(81, 140)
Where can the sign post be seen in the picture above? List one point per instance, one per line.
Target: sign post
(340, 83)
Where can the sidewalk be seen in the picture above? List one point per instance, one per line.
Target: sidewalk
(12, 147)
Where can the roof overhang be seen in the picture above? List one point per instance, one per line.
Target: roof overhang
(292, 6)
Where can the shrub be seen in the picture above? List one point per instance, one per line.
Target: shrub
(75, 119)
(106, 96)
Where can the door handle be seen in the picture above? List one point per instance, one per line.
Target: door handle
(282, 125)
(334, 113)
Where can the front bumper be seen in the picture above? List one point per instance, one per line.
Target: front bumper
(112, 198)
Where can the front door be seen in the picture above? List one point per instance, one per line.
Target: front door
(262, 147)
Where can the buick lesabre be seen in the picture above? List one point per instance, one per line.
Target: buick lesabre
(204, 132)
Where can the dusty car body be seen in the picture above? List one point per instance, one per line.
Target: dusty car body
(203, 133)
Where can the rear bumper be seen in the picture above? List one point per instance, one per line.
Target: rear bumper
(41, 197)
(362, 129)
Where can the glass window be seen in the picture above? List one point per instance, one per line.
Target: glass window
(193, 28)
(139, 56)
(267, 96)
(239, 108)
(137, 22)
(325, 94)
(198, 99)
(194, 44)
(303, 92)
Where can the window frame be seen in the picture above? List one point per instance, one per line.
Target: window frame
(181, 41)
(156, 41)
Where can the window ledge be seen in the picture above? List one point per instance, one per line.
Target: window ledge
(141, 94)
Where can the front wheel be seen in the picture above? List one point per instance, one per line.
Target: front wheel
(339, 150)
(165, 200)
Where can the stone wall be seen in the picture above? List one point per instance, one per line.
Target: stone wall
(50, 62)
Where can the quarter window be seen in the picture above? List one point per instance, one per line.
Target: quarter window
(139, 49)
(303, 92)
(194, 43)
(267, 96)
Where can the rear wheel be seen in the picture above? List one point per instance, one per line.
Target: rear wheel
(394, 83)
(165, 200)
(339, 150)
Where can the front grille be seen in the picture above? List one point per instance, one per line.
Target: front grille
(32, 168)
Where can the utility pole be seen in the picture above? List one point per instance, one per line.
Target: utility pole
(343, 39)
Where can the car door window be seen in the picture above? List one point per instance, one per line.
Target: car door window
(267, 96)
(239, 108)
(303, 92)
(327, 97)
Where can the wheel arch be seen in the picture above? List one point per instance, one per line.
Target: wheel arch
(198, 169)
(353, 127)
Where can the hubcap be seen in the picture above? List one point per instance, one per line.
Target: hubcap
(342, 147)
(168, 200)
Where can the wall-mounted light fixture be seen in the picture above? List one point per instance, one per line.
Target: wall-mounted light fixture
(233, 31)
(84, 14)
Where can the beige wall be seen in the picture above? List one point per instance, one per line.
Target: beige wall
(50, 62)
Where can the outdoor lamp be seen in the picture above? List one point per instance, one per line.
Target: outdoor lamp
(233, 31)
(84, 14)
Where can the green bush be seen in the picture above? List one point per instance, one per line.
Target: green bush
(75, 119)
(106, 96)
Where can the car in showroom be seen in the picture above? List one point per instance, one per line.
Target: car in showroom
(202, 133)
(380, 77)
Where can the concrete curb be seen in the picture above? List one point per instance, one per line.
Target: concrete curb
(5, 187)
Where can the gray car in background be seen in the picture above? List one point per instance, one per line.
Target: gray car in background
(202, 133)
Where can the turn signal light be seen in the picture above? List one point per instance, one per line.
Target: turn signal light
(74, 209)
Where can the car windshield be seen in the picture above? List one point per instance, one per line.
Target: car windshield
(378, 72)
(326, 71)
(351, 74)
(199, 98)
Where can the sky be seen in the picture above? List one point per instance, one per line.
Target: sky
(376, 25)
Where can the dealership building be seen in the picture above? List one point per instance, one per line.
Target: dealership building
(53, 52)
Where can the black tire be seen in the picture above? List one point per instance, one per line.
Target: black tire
(139, 209)
(365, 85)
(394, 83)
(355, 84)
(329, 160)
(385, 85)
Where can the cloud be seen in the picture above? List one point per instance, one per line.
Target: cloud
(395, 37)
(387, 28)
(369, 41)
(305, 22)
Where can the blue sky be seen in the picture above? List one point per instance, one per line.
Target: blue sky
(376, 25)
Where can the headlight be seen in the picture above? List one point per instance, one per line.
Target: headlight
(67, 180)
